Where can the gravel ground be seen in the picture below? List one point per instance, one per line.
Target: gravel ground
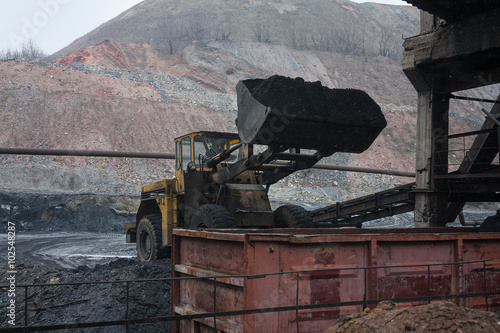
(172, 89)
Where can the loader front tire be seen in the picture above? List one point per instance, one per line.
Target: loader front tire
(211, 217)
(292, 216)
(149, 239)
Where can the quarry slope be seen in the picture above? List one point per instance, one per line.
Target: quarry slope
(128, 97)
(170, 25)
(95, 104)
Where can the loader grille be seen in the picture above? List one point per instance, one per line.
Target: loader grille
(153, 194)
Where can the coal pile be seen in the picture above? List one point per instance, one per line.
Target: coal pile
(303, 98)
(60, 304)
(281, 111)
(66, 211)
(491, 223)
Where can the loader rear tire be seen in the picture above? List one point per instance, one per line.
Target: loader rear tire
(211, 216)
(149, 239)
(292, 216)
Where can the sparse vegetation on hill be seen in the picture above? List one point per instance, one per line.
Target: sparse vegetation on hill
(338, 26)
(29, 51)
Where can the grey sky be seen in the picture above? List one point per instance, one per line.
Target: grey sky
(389, 2)
(54, 24)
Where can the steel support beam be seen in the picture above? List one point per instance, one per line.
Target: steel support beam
(371, 207)
(125, 154)
(446, 57)
(84, 153)
(477, 157)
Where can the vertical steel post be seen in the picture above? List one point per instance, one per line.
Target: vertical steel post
(485, 285)
(215, 304)
(463, 147)
(498, 143)
(297, 303)
(365, 298)
(127, 307)
(429, 282)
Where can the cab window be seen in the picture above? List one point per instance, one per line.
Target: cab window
(185, 152)
(177, 155)
(199, 150)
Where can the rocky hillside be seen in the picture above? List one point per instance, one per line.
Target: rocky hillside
(105, 101)
(338, 26)
(120, 94)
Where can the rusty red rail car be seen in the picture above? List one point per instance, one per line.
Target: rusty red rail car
(324, 266)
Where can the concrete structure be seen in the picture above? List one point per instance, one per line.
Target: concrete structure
(458, 49)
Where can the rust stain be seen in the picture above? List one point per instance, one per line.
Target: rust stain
(324, 257)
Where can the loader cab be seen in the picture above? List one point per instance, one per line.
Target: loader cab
(194, 150)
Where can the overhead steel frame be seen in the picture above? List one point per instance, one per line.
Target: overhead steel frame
(461, 53)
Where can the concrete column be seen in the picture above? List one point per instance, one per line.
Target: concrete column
(432, 159)
(427, 22)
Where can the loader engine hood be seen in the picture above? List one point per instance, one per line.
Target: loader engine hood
(283, 113)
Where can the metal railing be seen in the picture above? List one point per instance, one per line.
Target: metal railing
(215, 314)
(458, 153)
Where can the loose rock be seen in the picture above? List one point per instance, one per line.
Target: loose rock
(443, 317)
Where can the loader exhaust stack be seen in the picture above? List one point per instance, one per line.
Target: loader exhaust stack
(283, 113)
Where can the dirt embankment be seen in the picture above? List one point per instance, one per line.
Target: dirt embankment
(443, 317)
(45, 107)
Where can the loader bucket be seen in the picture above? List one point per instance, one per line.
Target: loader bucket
(284, 113)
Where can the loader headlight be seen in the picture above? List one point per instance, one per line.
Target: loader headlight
(191, 166)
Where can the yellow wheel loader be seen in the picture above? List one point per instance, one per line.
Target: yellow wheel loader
(222, 179)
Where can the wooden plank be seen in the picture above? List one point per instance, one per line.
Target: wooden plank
(209, 274)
